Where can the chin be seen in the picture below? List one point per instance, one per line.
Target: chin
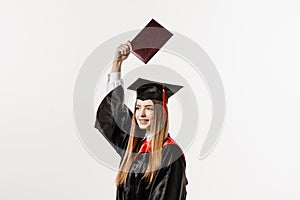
(144, 127)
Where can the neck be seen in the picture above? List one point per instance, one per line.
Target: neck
(149, 135)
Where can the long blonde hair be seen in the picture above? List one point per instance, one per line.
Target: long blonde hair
(160, 127)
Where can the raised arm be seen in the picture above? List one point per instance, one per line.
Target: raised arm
(113, 117)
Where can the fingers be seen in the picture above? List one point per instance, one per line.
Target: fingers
(129, 45)
(124, 49)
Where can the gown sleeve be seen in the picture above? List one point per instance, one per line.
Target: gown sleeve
(113, 118)
(170, 182)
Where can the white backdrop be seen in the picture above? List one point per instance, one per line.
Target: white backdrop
(254, 45)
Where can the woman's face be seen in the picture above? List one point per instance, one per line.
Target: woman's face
(144, 113)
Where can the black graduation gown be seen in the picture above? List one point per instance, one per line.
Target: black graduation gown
(113, 120)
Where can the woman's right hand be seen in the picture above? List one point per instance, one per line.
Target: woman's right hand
(122, 53)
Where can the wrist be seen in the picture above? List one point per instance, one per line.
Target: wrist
(116, 66)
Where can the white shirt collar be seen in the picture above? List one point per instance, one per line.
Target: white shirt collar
(149, 137)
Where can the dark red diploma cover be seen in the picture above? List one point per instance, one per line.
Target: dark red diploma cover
(150, 40)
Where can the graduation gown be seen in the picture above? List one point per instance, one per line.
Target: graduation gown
(113, 120)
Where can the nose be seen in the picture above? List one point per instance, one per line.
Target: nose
(143, 113)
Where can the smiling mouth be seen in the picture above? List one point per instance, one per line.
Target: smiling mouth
(143, 121)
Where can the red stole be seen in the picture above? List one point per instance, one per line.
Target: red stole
(146, 148)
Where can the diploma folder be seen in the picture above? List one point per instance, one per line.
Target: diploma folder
(150, 40)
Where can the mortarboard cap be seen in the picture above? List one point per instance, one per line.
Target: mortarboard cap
(152, 90)
(150, 40)
(147, 89)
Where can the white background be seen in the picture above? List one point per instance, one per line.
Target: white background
(254, 45)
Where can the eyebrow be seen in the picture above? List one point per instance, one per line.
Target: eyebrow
(145, 105)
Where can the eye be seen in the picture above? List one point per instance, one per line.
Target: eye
(137, 108)
(149, 108)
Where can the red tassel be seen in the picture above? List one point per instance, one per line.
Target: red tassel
(164, 101)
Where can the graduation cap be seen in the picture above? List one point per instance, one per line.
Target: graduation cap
(150, 40)
(147, 89)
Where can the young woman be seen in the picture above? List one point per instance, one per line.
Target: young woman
(152, 164)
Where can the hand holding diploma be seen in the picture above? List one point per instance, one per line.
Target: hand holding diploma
(121, 54)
